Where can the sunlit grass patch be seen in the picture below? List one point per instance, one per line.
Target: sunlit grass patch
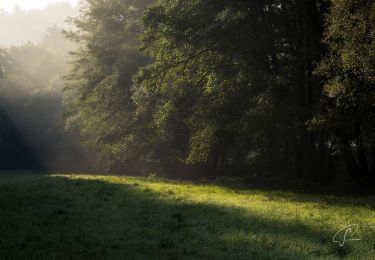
(83, 216)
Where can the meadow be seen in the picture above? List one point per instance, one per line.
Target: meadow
(59, 216)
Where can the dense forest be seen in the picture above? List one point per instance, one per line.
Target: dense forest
(227, 87)
(278, 88)
(187, 129)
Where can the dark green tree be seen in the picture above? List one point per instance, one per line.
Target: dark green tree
(226, 84)
(231, 83)
(349, 69)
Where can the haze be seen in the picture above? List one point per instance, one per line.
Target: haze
(29, 25)
(8, 5)
(31, 92)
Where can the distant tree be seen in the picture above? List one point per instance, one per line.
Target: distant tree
(14, 150)
(3, 63)
(31, 123)
(2, 68)
(349, 67)
(35, 62)
(55, 41)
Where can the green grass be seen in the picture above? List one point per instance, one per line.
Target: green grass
(97, 217)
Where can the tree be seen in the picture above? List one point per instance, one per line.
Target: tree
(231, 82)
(349, 69)
(3, 63)
(55, 41)
(99, 86)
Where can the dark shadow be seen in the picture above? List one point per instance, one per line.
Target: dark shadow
(15, 152)
(46, 217)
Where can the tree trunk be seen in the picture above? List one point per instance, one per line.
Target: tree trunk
(373, 164)
(350, 163)
(325, 160)
(330, 169)
(363, 164)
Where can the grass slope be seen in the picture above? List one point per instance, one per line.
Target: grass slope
(95, 217)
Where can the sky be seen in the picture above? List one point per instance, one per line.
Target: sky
(8, 5)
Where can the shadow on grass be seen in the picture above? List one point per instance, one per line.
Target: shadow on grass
(57, 217)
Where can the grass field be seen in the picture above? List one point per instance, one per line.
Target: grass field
(97, 217)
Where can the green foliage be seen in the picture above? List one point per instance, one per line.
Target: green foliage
(225, 77)
(98, 91)
(224, 84)
(349, 68)
(349, 113)
(3, 63)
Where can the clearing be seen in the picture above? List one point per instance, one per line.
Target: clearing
(112, 217)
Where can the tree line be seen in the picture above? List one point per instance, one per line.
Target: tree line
(273, 87)
(32, 130)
